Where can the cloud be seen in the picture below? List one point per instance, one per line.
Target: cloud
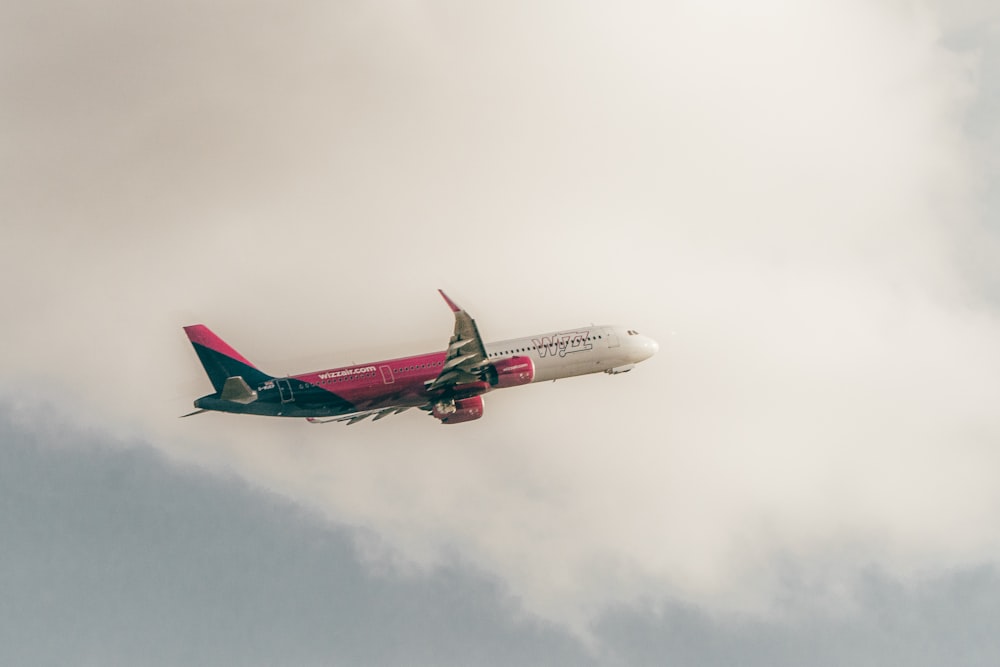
(113, 555)
(784, 196)
(947, 619)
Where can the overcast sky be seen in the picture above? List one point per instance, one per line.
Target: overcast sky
(799, 200)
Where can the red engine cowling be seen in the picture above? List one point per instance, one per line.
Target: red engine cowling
(464, 410)
(512, 372)
(467, 389)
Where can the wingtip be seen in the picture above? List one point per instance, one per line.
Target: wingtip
(451, 304)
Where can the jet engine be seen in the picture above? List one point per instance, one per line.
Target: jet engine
(511, 372)
(461, 410)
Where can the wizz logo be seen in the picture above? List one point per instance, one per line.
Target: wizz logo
(563, 344)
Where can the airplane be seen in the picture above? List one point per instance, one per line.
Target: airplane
(449, 384)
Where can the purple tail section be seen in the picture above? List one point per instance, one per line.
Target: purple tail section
(220, 360)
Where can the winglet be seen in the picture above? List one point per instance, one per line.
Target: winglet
(451, 304)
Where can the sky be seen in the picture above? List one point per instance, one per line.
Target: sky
(798, 200)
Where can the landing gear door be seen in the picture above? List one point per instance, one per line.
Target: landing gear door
(612, 338)
(285, 390)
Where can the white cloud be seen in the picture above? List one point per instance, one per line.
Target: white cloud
(782, 195)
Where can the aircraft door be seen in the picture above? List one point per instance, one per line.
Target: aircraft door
(285, 390)
(387, 374)
(612, 337)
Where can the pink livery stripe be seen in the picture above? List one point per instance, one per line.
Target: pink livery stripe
(202, 335)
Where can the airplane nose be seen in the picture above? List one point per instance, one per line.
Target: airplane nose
(648, 347)
(652, 346)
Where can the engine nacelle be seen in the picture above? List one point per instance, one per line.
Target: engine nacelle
(469, 389)
(512, 372)
(462, 410)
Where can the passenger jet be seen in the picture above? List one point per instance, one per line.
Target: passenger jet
(449, 384)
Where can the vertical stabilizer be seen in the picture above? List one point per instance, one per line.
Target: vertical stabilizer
(220, 360)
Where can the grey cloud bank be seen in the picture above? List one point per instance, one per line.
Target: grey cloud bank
(112, 555)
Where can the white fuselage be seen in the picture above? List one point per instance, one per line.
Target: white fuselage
(587, 349)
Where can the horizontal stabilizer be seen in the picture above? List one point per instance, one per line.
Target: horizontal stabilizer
(237, 390)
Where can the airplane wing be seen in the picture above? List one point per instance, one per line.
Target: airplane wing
(356, 417)
(466, 353)
(464, 363)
